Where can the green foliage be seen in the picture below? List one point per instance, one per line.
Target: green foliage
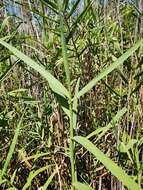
(32, 175)
(76, 68)
(109, 69)
(109, 164)
(55, 85)
(82, 186)
(11, 150)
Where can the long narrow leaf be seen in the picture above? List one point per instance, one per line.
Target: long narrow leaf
(81, 186)
(66, 4)
(109, 69)
(5, 74)
(77, 21)
(75, 104)
(73, 8)
(33, 174)
(49, 180)
(4, 23)
(11, 149)
(112, 123)
(51, 5)
(55, 85)
(108, 163)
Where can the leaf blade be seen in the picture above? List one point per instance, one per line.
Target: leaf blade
(110, 68)
(12, 147)
(81, 186)
(110, 125)
(54, 84)
(108, 163)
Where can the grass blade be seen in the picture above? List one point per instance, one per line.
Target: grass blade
(81, 186)
(55, 85)
(108, 163)
(66, 4)
(73, 8)
(11, 149)
(51, 5)
(5, 74)
(75, 104)
(49, 180)
(109, 69)
(77, 21)
(112, 123)
(4, 23)
(32, 175)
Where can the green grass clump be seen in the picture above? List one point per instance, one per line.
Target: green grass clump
(71, 95)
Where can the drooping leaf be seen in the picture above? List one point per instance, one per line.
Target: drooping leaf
(55, 85)
(63, 103)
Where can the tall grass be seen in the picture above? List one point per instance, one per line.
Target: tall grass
(78, 74)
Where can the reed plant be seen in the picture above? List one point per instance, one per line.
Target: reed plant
(58, 67)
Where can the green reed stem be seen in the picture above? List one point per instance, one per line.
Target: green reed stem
(67, 72)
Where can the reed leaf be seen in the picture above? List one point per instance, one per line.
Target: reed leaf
(49, 180)
(81, 186)
(33, 174)
(108, 163)
(112, 123)
(54, 84)
(110, 68)
(11, 149)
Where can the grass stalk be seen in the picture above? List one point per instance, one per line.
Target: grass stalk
(68, 81)
(12, 148)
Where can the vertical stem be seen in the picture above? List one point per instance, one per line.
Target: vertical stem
(67, 72)
(72, 147)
